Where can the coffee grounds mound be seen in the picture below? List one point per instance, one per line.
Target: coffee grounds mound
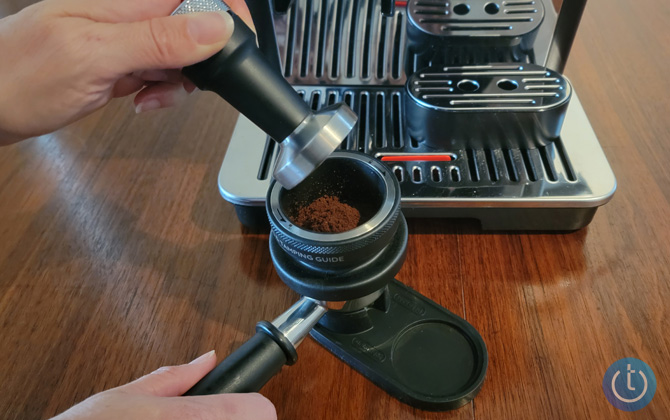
(327, 214)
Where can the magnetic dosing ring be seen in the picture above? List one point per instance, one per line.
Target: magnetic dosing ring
(347, 265)
(357, 180)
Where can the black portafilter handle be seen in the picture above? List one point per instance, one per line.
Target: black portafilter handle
(249, 367)
(260, 358)
(241, 75)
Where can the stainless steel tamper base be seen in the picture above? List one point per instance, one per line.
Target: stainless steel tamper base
(311, 143)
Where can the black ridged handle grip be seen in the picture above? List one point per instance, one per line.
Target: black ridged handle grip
(247, 369)
(242, 75)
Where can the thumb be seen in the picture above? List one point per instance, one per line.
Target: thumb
(172, 381)
(169, 42)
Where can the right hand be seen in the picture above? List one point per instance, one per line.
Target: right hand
(63, 59)
(156, 396)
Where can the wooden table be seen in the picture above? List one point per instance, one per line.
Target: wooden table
(118, 255)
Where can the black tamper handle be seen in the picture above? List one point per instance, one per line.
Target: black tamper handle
(249, 367)
(242, 75)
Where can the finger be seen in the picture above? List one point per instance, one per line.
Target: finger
(233, 406)
(172, 381)
(160, 95)
(168, 42)
(170, 76)
(131, 83)
(189, 86)
(127, 85)
(117, 11)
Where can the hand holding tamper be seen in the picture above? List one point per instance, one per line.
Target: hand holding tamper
(241, 75)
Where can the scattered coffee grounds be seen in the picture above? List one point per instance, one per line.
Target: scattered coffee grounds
(327, 214)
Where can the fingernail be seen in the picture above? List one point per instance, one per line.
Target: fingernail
(211, 27)
(149, 105)
(203, 358)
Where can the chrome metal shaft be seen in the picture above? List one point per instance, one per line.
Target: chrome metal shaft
(299, 319)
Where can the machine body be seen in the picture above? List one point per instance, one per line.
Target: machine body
(522, 153)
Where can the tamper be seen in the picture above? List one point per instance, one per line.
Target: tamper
(241, 75)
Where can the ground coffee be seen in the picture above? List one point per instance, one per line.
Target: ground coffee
(327, 214)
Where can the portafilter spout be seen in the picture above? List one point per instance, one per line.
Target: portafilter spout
(242, 75)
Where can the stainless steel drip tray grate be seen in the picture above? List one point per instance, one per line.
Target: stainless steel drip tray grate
(556, 187)
(339, 42)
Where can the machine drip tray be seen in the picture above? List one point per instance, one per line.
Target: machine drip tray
(556, 187)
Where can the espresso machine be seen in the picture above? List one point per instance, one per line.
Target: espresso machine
(465, 100)
(423, 108)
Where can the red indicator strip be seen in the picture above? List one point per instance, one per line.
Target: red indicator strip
(417, 158)
(400, 3)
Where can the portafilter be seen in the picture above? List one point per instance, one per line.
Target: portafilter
(402, 341)
(341, 272)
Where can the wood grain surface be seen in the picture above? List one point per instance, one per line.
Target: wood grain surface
(118, 255)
